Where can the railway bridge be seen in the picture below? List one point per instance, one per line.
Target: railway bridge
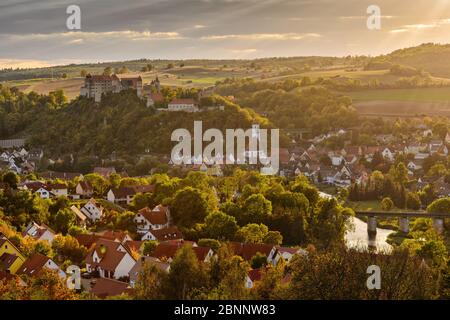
(403, 219)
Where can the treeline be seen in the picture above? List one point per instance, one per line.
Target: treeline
(286, 106)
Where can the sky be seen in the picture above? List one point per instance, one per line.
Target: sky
(33, 33)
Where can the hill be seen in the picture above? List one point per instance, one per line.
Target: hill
(430, 57)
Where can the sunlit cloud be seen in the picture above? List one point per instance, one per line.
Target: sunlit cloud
(263, 36)
(363, 17)
(80, 37)
(422, 26)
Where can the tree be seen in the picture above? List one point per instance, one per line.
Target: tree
(107, 71)
(63, 220)
(186, 275)
(258, 260)
(413, 201)
(149, 284)
(220, 226)
(68, 248)
(273, 237)
(210, 243)
(253, 233)
(387, 204)
(149, 246)
(440, 206)
(83, 73)
(98, 182)
(189, 206)
(227, 275)
(11, 179)
(256, 209)
(399, 173)
(403, 276)
(47, 285)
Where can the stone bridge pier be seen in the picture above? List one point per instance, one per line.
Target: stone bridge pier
(371, 225)
(438, 225)
(403, 224)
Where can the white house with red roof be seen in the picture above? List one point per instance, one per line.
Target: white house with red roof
(110, 259)
(155, 219)
(39, 232)
(92, 210)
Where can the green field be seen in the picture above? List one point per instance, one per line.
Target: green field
(440, 95)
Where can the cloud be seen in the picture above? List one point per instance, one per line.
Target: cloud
(80, 37)
(262, 36)
(244, 51)
(199, 26)
(422, 26)
(363, 17)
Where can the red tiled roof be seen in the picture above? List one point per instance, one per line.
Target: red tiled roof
(249, 250)
(107, 288)
(254, 275)
(123, 192)
(144, 189)
(171, 233)
(108, 251)
(87, 240)
(33, 265)
(133, 245)
(182, 101)
(154, 217)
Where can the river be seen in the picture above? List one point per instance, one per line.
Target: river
(359, 238)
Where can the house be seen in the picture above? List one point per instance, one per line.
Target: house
(147, 219)
(427, 133)
(288, 253)
(134, 246)
(165, 234)
(337, 160)
(87, 240)
(110, 259)
(84, 189)
(248, 250)
(92, 210)
(80, 216)
(388, 154)
(121, 196)
(134, 272)
(253, 276)
(10, 257)
(167, 251)
(36, 263)
(187, 105)
(105, 172)
(149, 188)
(58, 189)
(415, 165)
(447, 138)
(117, 236)
(39, 232)
(43, 193)
(104, 288)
